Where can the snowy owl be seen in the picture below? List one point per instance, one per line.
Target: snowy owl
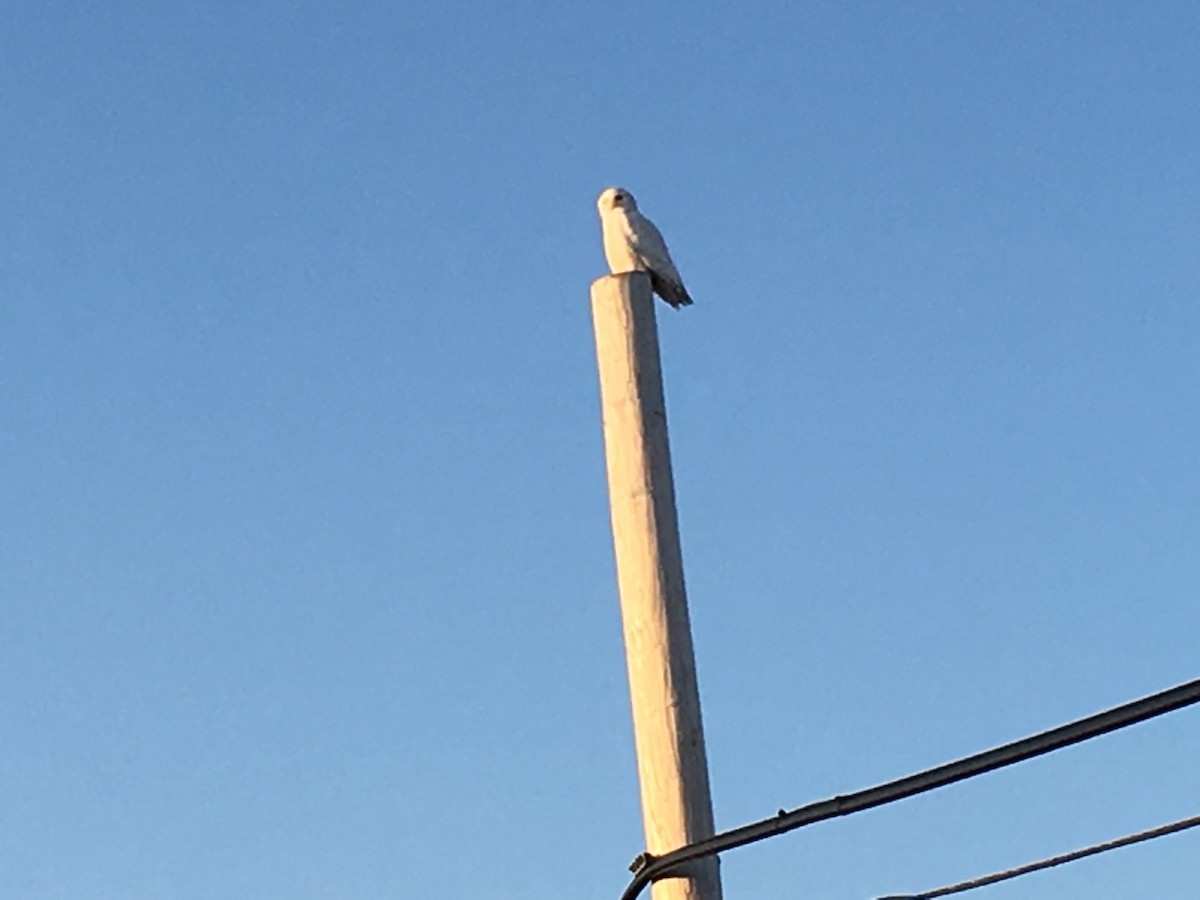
(632, 244)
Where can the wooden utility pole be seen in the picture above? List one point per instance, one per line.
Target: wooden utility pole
(672, 768)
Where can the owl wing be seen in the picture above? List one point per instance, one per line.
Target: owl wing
(650, 248)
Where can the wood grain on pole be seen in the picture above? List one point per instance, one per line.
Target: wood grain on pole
(669, 738)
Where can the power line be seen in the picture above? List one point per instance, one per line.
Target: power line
(647, 868)
(960, 887)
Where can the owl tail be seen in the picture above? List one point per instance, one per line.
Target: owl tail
(672, 291)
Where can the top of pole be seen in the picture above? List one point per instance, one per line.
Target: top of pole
(636, 274)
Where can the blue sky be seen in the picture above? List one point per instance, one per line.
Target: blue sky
(305, 571)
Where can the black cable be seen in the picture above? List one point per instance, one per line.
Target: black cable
(960, 887)
(648, 868)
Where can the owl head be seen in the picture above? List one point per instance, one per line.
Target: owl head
(615, 198)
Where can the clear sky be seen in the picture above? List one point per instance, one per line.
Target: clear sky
(307, 583)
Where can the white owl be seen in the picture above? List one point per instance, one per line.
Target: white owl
(633, 244)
